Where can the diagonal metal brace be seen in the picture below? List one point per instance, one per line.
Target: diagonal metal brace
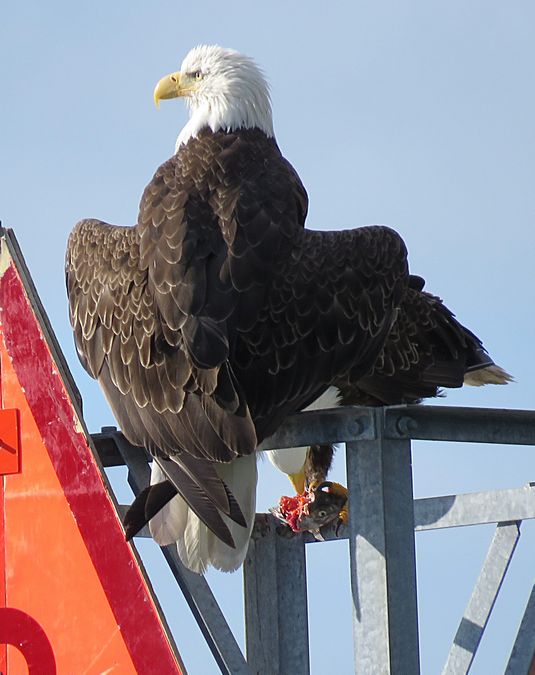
(481, 603)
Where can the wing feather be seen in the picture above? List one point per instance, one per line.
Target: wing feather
(426, 349)
(219, 314)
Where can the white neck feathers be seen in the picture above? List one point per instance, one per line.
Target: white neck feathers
(232, 93)
(226, 115)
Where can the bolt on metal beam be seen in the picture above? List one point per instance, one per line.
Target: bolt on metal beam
(469, 425)
(336, 425)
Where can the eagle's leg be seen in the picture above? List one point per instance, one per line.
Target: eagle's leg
(317, 466)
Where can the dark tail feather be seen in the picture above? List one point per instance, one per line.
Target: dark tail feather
(146, 505)
(427, 350)
(154, 497)
(235, 512)
(204, 476)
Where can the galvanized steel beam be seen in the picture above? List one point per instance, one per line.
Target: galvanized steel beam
(471, 508)
(352, 423)
(381, 534)
(276, 611)
(336, 425)
(522, 659)
(209, 617)
(482, 601)
(382, 556)
(469, 425)
(475, 508)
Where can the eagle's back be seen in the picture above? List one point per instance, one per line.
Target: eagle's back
(218, 314)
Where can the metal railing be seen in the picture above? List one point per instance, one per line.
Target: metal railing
(381, 529)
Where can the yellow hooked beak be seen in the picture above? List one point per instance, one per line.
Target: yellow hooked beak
(170, 86)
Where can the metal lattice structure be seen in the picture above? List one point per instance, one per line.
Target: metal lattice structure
(381, 531)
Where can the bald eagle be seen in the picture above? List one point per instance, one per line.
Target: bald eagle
(218, 315)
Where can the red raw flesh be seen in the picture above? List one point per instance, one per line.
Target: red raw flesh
(292, 507)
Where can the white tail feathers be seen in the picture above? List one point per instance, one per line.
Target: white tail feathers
(169, 523)
(197, 546)
(489, 375)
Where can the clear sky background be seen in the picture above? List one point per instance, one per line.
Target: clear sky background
(416, 114)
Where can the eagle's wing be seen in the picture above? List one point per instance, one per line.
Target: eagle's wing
(154, 387)
(155, 308)
(219, 314)
(328, 313)
(427, 349)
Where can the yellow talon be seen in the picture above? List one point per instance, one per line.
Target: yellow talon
(343, 516)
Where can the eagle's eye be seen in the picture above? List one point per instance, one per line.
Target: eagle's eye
(196, 75)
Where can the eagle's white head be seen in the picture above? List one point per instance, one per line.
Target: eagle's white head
(225, 91)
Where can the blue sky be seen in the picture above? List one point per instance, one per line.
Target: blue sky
(416, 114)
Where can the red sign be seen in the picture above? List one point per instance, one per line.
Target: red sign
(82, 600)
(20, 630)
